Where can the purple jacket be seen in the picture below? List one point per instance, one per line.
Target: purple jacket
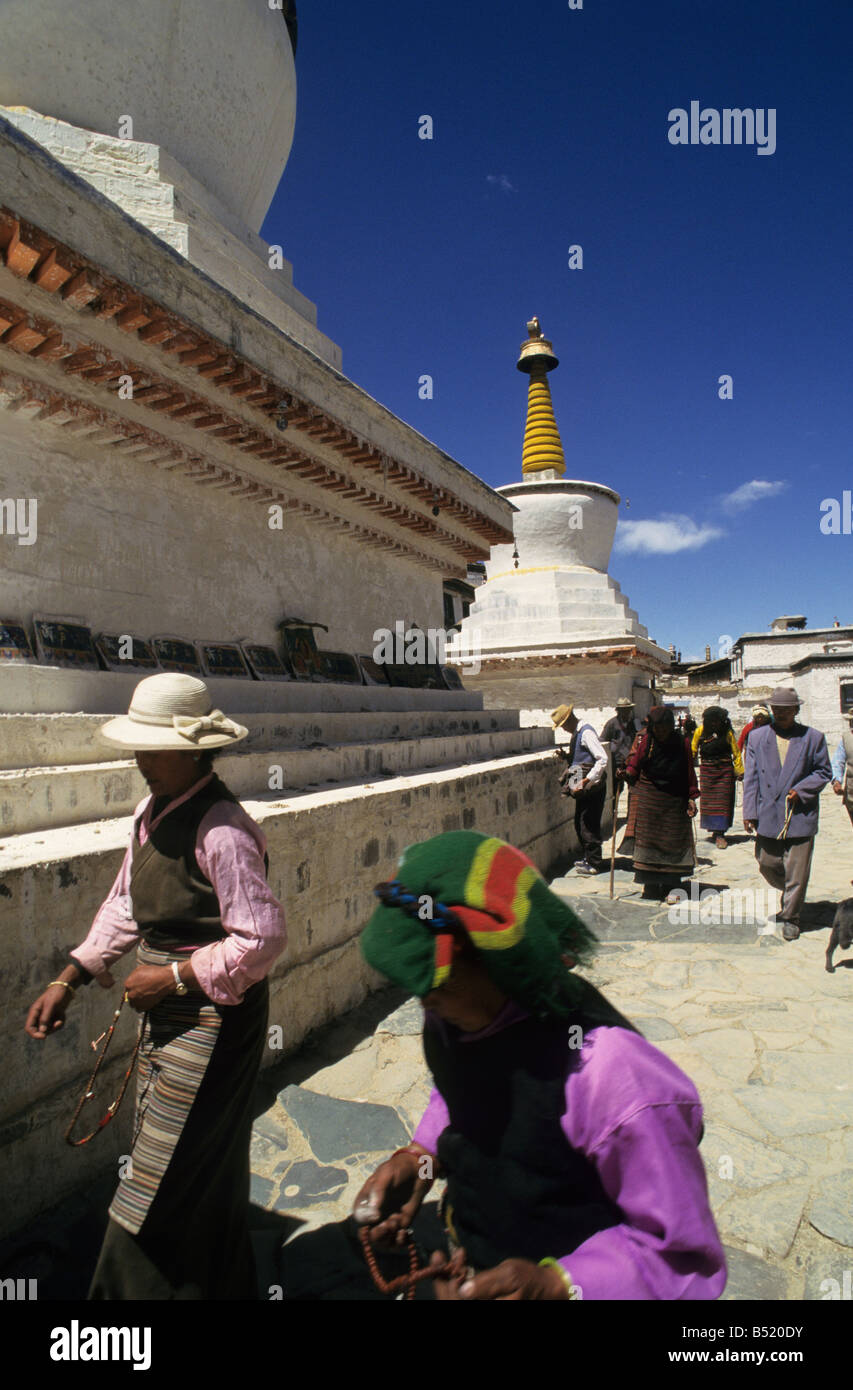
(807, 770)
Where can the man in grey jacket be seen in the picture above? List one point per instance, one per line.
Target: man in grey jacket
(786, 768)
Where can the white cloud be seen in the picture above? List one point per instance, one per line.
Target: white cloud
(748, 493)
(502, 182)
(667, 536)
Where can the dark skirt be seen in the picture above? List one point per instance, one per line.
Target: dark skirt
(663, 835)
(627, 844)
(717, 780)
(179, 1219)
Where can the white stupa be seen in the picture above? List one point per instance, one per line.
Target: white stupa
(550, 625)
(183, 113)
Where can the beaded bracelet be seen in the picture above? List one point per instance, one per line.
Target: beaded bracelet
(572, 1291)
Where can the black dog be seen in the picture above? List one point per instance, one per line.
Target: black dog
(842, 931)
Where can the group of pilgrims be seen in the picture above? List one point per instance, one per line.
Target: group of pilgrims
(568, 1145)
(657, 760)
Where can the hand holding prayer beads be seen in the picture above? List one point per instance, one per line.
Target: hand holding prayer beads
(147, 985)
(392, 1195)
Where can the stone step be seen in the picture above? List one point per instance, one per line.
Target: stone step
(38, 689)
(62, 740)
(48, 797)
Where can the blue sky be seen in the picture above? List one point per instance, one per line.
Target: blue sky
(551, 129)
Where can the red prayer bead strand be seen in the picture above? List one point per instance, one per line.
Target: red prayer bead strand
(403, 1281)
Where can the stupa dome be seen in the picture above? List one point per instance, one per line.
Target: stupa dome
(212, 82)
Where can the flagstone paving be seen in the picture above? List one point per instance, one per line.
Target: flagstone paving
(757, 1023)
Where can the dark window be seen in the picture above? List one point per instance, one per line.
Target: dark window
(449, 615)
(846, 698)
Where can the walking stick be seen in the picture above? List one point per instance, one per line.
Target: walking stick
(617, 788)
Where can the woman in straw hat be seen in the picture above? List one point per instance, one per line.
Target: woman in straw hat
(192, 896)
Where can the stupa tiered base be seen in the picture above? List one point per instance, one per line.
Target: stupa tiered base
(550, 625)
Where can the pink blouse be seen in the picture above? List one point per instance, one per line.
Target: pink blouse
(230, 853)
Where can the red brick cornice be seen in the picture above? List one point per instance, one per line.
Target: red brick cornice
(241, 410)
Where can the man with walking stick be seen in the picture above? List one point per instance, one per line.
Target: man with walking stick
(620, 732)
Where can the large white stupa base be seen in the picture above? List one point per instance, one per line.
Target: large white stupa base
(550, 626)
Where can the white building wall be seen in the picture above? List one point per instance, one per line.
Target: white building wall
(135, 549)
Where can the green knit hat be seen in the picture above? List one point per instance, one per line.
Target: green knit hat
(467, 884)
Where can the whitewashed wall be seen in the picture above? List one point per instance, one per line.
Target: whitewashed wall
(131, 548)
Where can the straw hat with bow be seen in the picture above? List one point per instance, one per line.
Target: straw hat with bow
(172, 711)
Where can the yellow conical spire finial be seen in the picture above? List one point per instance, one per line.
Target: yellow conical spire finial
(542, 447)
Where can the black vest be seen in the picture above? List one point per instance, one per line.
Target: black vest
(515, 1186)
(174, 904)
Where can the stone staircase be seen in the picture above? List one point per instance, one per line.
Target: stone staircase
(56, 770)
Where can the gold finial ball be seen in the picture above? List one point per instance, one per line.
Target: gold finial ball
(537, 353)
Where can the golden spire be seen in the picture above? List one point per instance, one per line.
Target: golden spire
(543, 448)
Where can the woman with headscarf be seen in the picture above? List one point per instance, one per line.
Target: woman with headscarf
(760, 716)
(568, 1143)
(720, 765)
(192, 898)
(660, 769)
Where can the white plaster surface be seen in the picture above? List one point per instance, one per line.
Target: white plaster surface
(155, 190)
(212, 81)
(564, 522)
(132, 549)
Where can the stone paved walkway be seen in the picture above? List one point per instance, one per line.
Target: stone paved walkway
(764, 1032)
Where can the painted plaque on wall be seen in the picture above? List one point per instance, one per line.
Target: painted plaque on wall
(223, 659)
(126, 653)
(65, 642)
(418, 676)
(264, 663)
(339, 667)
(373, 671)
(301, 650)
(15, 644)
(177, 654)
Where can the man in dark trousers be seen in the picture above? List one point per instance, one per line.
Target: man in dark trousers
(584, 778)
(620, 732)
(786, 767)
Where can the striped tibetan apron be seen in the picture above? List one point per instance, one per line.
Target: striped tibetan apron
(178, 1038)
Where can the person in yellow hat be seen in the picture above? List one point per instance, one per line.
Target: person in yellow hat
(192, 898)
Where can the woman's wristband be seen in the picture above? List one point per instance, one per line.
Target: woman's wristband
(86, 976)
(572, 1290)
(64, 983)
